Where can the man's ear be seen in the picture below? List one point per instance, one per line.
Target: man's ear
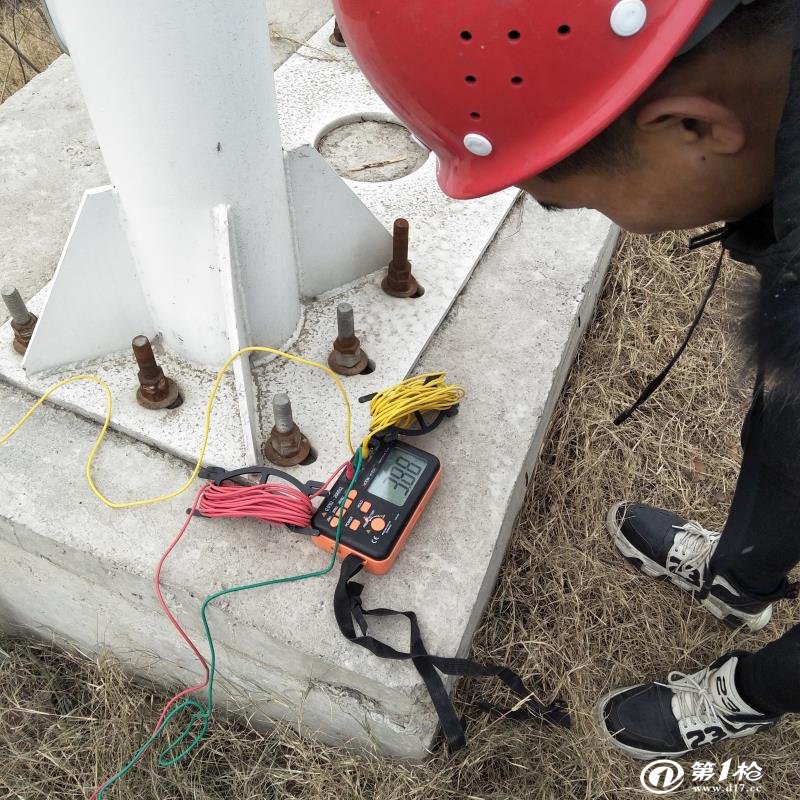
(698, 119)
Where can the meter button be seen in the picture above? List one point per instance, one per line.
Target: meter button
(378, 524)
(365, 506)
(355, 525)
(353, 494)
(348, 503)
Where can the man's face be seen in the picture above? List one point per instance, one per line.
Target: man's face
(649, 201)
(669, 187)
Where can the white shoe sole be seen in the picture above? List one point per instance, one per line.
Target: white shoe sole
(646, 755)
(721, 610)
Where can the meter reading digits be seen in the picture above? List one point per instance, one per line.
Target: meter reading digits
(395, 484)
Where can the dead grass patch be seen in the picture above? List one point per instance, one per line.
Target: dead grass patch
(23, 24)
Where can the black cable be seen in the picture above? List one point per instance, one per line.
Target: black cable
(654, 384)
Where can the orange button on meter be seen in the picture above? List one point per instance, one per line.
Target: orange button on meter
(378, 524)
(355, 525)
(366, 506)
(353, 494)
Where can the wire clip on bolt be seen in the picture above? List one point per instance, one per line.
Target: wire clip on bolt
(399, 282)
(155, 390)
(286, 446)
(336, 38)
(22, 321)
(347, 357)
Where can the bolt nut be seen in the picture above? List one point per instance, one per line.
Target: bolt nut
(286, 446)
(155, 390)
(399, 282)
(22, 321)
(347, 356)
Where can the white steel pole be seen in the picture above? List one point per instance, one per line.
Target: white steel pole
(181, 96)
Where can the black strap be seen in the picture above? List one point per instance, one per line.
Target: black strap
(347, 607)
(654, 384)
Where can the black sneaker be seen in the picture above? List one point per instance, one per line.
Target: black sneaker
(668, 720)
(663, 545)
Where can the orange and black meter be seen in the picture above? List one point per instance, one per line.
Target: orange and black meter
(395, 484)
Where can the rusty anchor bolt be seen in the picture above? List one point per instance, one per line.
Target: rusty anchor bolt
(22, 321)
(399, 282)
(336, 38)
(286, 446)
(347, 357)
(155, 390)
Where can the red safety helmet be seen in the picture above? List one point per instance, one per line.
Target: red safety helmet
(501, 90)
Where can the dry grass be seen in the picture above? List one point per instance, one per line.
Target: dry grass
(565, 607)
(23, 24)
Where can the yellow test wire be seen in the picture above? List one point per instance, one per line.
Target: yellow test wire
(207, 428)
(397, 405)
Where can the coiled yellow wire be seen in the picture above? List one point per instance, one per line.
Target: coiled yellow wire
(396, 406)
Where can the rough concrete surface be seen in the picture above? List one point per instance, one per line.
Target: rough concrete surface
(82, 571)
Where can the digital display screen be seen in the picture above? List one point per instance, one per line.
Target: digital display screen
(397, 477)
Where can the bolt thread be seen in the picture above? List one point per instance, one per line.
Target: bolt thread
(149, 370)
(282, 411)
(400, 244)
(345, 321)
(16, 305)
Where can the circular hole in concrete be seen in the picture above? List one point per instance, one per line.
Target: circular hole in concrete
(420, 291)
(370, 368)
(371, 150)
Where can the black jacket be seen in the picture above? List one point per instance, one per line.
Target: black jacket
(770, 241)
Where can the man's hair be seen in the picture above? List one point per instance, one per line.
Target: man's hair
(614, 150)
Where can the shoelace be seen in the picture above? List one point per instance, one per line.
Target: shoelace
(697, 545)
(692, 697)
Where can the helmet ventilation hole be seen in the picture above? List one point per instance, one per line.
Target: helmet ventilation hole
(514, 35)
(466, 35)
(517, 80)
(471, 79)
(564, 30)
(475, 115)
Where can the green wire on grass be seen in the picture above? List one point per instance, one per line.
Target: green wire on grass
(202, 713)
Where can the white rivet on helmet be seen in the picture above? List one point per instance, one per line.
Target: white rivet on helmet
(628, 17)
(478, 145)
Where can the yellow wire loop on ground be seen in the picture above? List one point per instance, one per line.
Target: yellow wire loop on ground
(207, 427)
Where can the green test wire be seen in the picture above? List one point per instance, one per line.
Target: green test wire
(202, 713)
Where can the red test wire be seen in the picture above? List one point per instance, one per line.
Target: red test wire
(177, 626)
(277, 505)
(273, 503)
